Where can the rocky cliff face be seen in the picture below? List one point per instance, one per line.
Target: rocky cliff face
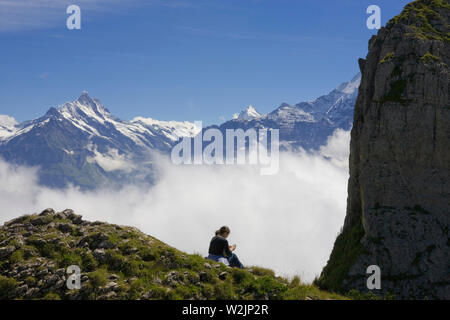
(398, 211)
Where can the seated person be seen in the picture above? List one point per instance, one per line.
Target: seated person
(220, 251)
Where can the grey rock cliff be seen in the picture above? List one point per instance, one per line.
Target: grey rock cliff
(398, 210)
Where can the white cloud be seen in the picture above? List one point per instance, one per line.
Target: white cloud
(7, 126)
(7, 121)
(337, 147)
(111, 160)
(287, 221)
(37, 14)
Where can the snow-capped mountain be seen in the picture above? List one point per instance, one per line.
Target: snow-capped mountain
(82, 143)
(247, 114)
(306, 124)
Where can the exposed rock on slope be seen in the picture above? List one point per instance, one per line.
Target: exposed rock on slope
(398, 211)
(119, 262)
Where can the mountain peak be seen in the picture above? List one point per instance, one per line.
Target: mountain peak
(85, 99)
(83, 107)
(351, 86)
(248, 114)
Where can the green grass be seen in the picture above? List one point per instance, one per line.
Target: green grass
(147, 267)
(388, 57)
(259, 271)
(429, 58)
(98, 278)
(395, 93)
(52, 296)
(356, 295)
(6, 286)
(424, 11)
(30, 281)
(347, 248)
(17, 256)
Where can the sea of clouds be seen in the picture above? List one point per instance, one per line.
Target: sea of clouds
(287, 221)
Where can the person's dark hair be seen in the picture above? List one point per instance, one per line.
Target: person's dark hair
(223, 231)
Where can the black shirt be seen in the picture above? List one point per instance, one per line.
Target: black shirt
(219, 246)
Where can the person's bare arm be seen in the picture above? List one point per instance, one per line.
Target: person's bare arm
(233, 247)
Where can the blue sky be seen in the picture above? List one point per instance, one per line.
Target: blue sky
(181, 59)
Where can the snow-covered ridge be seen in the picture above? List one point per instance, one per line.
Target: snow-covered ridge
(88, 113)
(351, 86)
(287, 115)
(173, 129)
(9, 128)
(338, 100)
(92, 134)
(84, 107)
(91, 117)
(248, 114)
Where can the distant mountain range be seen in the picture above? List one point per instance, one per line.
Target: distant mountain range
(307, 124)
(83, 144)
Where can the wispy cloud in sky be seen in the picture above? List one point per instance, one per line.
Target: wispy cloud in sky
(43, 75)
(37, 14)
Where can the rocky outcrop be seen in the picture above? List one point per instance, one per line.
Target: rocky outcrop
(398, 210)
(118, 262)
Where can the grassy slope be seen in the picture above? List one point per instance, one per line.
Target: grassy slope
(141, 266)
(418, 15)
